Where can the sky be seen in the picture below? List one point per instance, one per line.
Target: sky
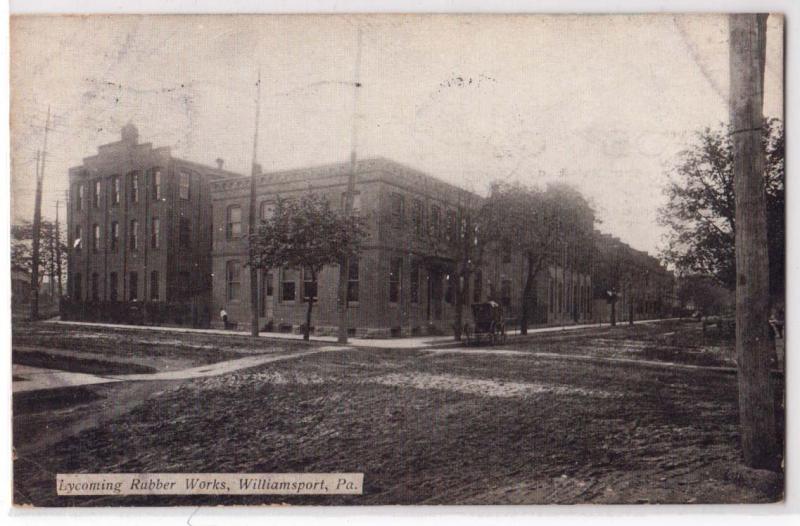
(604, 103)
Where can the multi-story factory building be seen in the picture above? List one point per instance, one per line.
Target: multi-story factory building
(140, 231)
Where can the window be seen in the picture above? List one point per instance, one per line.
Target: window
(417, 217)
(397, 204)
(113, 287)
(78, 236)
(352, 280)
(267, 292)
(266, 210)
(552, 296)
(79, 197)
(115, 190)
(450, 233)
(477, 291)
(134, 187)
(78, 287)
(505, 293)
(234, 223)
(436, 218)
(133, 286)
(95, 286)
(184, 233)
(95, 237)
(184, 181)
(449, 291)
(156, 184)
(233, 273)
(356, 201)
(309, 285)
(395, 273)
(96, 195)
(114, 236)
(155, 229)
(184, 284)
(414, 286)
(134, 235)
(506, 255)
(154, 285)
(287, 285)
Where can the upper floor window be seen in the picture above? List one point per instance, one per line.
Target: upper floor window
(96, 194)
(78, 235)
(134, 235)
(450, 233)
(266, 210)
(155, 233)
(114, 236)
(116, 191)
(134, 187)
(436, 219)
(184, 184)
(396, 206)
(417, 217)
(234, 222)
(184, 233)
(95, 237)
(79, 197)
(156, 184)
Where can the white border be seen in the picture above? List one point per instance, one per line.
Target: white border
(735, 514)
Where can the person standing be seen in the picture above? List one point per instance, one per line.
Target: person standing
(223, 314)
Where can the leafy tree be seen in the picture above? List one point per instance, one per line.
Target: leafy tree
(306, 233)
(700, 212)
(536, 223)
(703, 292)
(50, 248)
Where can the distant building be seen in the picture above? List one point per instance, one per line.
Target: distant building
(139, 227)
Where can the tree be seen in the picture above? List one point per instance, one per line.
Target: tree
(536, 223)
(700, 212)
(21, 257)
(704, 293)
(306, 233)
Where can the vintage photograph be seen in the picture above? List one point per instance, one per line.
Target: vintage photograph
(386, 259)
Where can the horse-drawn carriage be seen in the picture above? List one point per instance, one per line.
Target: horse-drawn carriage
(489, 323)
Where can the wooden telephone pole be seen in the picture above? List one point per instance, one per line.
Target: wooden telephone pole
(37, 223)
(344, 265)
(58, 254)
(756, 403)
(251, 228)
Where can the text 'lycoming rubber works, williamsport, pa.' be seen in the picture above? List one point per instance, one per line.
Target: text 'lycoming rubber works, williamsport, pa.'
(77, 484)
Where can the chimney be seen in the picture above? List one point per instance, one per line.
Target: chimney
(220, 163)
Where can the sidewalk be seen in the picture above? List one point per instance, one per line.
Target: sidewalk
(36, 378)
(414, 342)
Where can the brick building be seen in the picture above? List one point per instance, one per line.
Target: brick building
(403, 282)
(140, 229)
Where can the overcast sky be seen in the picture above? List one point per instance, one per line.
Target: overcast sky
(602, 102)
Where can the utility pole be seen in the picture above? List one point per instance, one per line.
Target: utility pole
(58, 254)
(756, 402)
(344, 265)
(37, 223)
(251, 228)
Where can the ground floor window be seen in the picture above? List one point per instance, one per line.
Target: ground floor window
(505, 293)
(95, 286)
(449, 288)
(233, 273)
(288, 286)
(478, 284)
(352, 280)
(395, 271)
(77, 288)
(414, 289)
(133, 286)
(113, 287)
(309, 285)
(154, 285)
